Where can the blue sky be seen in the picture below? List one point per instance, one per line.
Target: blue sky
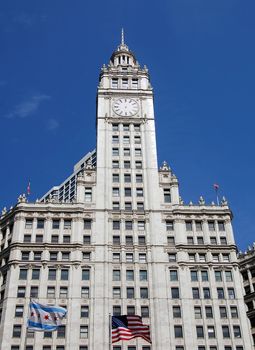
(201, 58)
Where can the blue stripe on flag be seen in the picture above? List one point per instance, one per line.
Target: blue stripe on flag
(41, 326)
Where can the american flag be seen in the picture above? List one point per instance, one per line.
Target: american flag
(128, 327)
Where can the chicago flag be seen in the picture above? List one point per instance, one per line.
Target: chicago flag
(45, 317)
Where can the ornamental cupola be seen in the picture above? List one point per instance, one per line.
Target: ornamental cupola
(123, 56)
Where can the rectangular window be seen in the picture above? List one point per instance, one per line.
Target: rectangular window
(37, 256)
(55, 224)
(16, 332)
(175, 293)
(223, 312)
(137, 140)
(50, 292)
(29, 224)
(223, 240)
(115, 152)
(85, 292)
(130, 310)
(188, 225)
(88, 194)
(116, 257)
(27, 238)
(213, 240)
(126, 152)
(139, 192)
(115, 178)
(139, 178)
(116, 225)
(167, 195)
(134, 83)
(21, 292)
(141, 240)
(225, 332)
(40, 223)
(130, 275)
(86, 256)
(143, 275)
(84, 332)
(177, 312)
(129, 257)
(145, 311)
(127, 178)
(141, 225)
(63, 292)
(170, 240)
(200, 240)
(171, 257)
(225, 257)
(130, 293)
(144, 293)
(127, 164)
(64, 274)
(85, 274)
(114, 84)
(115, 192)
(86, 239)
(142, 258)
(173, 275)
(124, 83)
(211, 331)
(66, 238)
(218, 276)
(211, 225)
(127, 192)
(115, 165)
(138, 164)
(52, 275)
(53, 256)
(39, 238)
(128, 206)
(54, 239)
(65, 256)
(198, 312)
(137, 127)
(233, 311)
(231, 293)
(116, 310)
(115, 139)
(140, 206)
(67, 224)
(84, 311)
(116, 240)
(23, 274)
(220, 293)
(221, 226)
(128, 225)
(195, 293)
(34, 292)
(178, 332)
(25, 256)
(204, 276)
(116, 293)
(126, 140)
(138, 152)
(228, 276)
(190, 240)
(200, 331)
(116, 275)
(19, 310)
(208, 312)
(198, 225)
(61, 331)
(115, 206)
(194, 276)
(35, 274)
(115, 127)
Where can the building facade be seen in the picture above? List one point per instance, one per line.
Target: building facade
(247, 268)
(116, 238)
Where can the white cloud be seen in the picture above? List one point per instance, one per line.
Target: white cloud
(27, 107)
(52, 124)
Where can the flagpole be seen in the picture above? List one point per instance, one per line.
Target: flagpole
(25, 335)
(110, 331)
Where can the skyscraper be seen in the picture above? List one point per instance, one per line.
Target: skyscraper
(116, 238)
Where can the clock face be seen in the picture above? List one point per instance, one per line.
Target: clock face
(125, 107)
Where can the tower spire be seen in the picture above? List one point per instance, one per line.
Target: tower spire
(122, 37)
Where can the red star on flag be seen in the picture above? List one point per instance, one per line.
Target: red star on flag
(46, 317)
(32, 314)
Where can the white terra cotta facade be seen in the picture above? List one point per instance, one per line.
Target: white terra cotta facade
(123, 242)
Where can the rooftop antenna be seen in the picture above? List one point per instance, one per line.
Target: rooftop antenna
(122, 37)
